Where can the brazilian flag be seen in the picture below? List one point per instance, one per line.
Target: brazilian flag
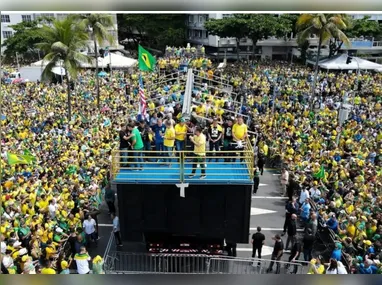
(320, 174)
(146, 60)
(14, 159)
(29, 157)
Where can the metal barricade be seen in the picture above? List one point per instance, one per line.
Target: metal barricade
(142, 263)
(226, 265)
(117, 262)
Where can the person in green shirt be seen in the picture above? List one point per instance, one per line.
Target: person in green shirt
(137, 145)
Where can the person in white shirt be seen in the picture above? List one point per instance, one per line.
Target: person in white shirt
(333, 267)
(314, 192)
(52, 208)
(303, 196)
(3, 244)
(89, 227)
(82, 260)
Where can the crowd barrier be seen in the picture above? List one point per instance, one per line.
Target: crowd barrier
(118, 262)
(328, 238)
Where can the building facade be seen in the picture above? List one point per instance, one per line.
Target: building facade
(10, 18)
(271, 48)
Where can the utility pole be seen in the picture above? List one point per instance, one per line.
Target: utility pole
(343, 115)
(17, 60)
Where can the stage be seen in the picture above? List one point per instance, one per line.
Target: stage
(219, 172)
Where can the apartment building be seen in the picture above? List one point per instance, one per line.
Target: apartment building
(9, 18)
(271, 48)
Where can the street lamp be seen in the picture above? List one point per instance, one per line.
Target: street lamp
(345, 107)
(348, 61)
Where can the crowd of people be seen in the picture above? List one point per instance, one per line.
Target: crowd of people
(50, 203)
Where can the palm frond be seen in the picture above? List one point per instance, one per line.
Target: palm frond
(343, 38)
(47, 72)
(59, 47)
(338, 21)
(322, 18)
(304, 19)
(305, 34)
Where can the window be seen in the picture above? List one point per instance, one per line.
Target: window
(26, 18)
(47, 15)
(190, 33)
(200, 19)
(190, 18)
(7, 34)
(5, 19)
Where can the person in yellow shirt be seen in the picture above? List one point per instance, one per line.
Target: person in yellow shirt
(201, 109)
(239, 133)
(169, 141)
(316, 267)
(180, 135)
(48, 270)
(199, 141)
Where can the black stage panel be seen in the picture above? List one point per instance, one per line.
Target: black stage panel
(207, 211)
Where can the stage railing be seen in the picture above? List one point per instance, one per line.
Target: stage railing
(176, 166)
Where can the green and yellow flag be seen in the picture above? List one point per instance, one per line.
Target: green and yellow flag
(14, 159)
(29, 157)
(320, 174)
(146, 60)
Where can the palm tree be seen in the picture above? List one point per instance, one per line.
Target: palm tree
(62, 43)
(98, 24)
(325, 27)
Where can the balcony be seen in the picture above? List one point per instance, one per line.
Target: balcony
(196, 25)
(199, 40)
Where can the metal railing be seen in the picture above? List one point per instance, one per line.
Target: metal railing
(228, 265)
(145, 263)
(118, 262)
(175, 166)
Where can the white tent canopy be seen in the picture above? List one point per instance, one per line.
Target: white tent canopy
(339, 62)
(117, 61)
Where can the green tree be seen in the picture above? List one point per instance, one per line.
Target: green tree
(232, 27)
(152, 30)
(99, 25)
(364, 27)
(325, 27)
(62, 42)
(263, 26)
(23, 41)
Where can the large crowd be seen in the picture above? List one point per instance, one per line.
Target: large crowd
(52, 203)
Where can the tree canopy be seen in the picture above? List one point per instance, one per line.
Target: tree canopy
(23, 40)
(364, 27)
(62, 42)
(152, 30)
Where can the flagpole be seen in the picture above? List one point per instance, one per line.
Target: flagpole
(110, 62)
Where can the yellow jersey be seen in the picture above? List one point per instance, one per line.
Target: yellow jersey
(49, 271)
(180, 129)
(200, 110)
(239, 130)
(201, 148)
(169, 137)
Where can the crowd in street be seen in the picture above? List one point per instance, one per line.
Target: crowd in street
(52, 202)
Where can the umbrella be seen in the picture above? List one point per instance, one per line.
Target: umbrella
(102, 74)
(58, 70)
(17, 80)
